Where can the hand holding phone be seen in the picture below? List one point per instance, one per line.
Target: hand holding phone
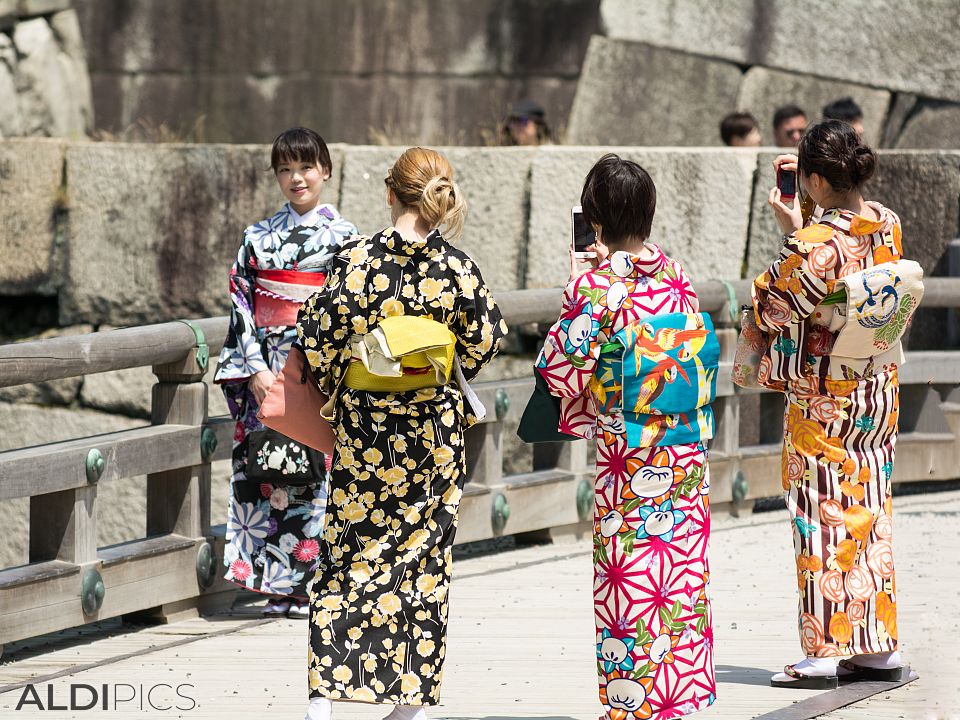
(582, 236)
(786, 184)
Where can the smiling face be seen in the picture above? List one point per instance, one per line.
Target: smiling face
(301, 183)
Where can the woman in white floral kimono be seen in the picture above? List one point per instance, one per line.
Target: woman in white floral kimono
(273, 529)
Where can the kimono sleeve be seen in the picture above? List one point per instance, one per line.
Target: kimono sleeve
(572, 346)
(792, 287)
(478, 325)
(242, 354)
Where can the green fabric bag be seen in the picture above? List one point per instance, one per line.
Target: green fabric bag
(541, 416)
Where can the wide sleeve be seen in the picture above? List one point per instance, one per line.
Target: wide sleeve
(478, 325)
(242, 355)
(791, 288)
(571, 349)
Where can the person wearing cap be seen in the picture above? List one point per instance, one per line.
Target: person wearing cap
(525, 125)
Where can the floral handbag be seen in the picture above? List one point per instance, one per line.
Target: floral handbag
(276, 459)
(751, 346)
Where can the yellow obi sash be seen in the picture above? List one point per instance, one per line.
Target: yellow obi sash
(402, 353)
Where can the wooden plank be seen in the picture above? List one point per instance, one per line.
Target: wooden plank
(147, 547)
(35, 572)
(64, 357)
(127, 453)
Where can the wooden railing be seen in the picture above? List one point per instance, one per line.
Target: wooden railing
(176, 568)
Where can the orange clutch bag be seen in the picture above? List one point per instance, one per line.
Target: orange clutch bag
(292, 405)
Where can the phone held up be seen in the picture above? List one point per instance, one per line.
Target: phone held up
(786, 184)
(582, 236)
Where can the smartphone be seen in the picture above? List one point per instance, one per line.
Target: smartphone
(582, 235)
(787, 184)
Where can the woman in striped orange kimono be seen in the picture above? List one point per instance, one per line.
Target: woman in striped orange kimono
(840, 423)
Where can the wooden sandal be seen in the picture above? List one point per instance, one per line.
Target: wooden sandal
(862, 672)
(801, 681)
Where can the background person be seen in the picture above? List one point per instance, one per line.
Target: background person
(650, 501)
(272, 530)
(789, 122)
(840, 424)
(740, 129)
(379, 603)
(847, 110)
(525, 125)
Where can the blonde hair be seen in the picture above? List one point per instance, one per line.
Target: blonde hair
(422, 179)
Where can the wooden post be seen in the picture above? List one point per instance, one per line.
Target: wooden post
(484, 451)
(174, 497)
(178, 500)
(63, 526)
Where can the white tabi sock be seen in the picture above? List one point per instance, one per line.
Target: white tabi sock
(407, 712)
(320, 709)
(811, 667)
(878, 661)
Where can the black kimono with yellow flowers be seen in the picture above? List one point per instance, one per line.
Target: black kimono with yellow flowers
(378, 607)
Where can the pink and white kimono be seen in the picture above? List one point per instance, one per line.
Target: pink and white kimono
(652, 516)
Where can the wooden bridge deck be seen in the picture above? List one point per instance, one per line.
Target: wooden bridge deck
(521, 638)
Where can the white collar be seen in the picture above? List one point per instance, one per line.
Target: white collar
(309, 218)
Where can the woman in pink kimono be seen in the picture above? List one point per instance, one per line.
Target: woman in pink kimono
(654, 637)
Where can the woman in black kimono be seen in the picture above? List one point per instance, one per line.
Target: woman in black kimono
(379, 600)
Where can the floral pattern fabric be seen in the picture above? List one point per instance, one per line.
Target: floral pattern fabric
(840, 431)
(272, 530)
(378, 606)
(654, 629)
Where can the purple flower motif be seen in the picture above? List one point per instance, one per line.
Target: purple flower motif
(272, 525)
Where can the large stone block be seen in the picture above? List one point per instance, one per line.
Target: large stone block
(335, 37)
(55, 96)
(935, 126)
(763, 91)
(495, 183)
(154, 228)
(31, 175)
(10, 121)
(921, 187)
(636, 94)
(907, 46)
(703, 204)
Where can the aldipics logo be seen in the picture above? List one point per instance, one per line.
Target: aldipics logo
(116, 696)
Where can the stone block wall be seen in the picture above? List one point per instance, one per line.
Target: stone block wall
(405, 71)
(44, 83)
(649, 75)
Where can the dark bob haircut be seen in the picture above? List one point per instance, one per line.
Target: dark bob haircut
(300, 144)
(620, 197)
(845, 109)
(737, 124)
(834, 150)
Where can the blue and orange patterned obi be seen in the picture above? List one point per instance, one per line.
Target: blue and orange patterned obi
(661, 373)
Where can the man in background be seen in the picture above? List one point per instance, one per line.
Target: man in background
(789, 122)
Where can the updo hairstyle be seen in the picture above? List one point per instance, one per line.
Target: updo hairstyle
(834, 150)
(422, 179)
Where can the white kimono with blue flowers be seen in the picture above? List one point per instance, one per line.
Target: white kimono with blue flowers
(271, 529)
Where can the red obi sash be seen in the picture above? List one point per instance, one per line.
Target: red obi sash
(278, 295)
